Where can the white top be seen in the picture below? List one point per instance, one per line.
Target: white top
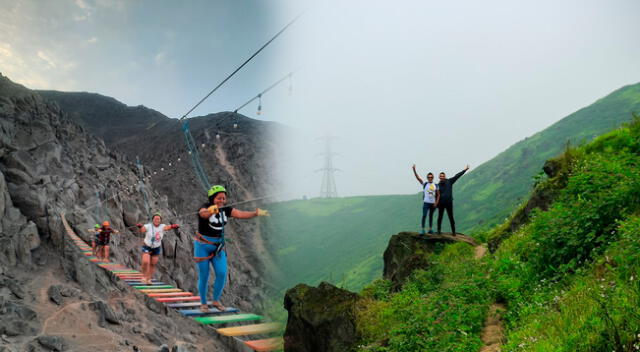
(153, 235)
(430, 192)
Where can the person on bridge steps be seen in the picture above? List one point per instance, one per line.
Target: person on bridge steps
(152, 244)
(209, 244)
(103, 238)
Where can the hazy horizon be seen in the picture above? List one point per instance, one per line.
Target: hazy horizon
(436, 84)
(440, 85)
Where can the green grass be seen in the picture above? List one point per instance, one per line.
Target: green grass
(569, 275)
(440, 309)
(340, 240)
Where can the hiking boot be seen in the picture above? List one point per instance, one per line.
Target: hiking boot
(422, 232)
(430, 232)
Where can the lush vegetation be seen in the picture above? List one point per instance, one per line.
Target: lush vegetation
(341, 240)
(569, 275)
(439, 309)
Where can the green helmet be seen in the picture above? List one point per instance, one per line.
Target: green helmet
(97, 226)
(156, 214)
(216, 189)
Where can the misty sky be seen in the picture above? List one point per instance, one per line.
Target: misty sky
(441, 84)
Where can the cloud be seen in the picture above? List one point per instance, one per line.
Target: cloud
(92, 40)
(81, 4)
(160, 58)
(46, 58)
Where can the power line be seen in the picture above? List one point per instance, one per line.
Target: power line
(241, 66)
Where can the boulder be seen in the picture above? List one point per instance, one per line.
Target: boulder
(406, 252)
(320, 319)
(52, 343)
(105, 313)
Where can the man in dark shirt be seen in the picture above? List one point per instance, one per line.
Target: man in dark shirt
(446, 198)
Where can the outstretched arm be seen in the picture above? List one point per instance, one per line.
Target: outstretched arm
(457, 176)
(172, 226)
(416, 174)
(239, 214)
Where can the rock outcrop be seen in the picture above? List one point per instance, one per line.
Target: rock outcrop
(320, 319)
(408, 251)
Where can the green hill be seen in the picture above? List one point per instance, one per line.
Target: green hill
(490, 192)
(337, 240)
(340, 240)
(567, 277)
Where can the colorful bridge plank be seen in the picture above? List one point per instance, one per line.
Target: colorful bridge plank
(212, 311)
(272, 344)
(223, 319)
(253, 329)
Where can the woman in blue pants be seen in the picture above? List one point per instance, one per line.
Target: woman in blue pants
(209, 243)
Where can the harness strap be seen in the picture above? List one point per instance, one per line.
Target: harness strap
(201, 239)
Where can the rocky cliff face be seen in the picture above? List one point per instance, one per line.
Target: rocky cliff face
(51, 298)
(234, 150)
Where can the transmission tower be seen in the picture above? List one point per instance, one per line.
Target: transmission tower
(328, 187)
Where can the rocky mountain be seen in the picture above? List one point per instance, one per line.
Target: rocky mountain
(235, 151)
(50, 297)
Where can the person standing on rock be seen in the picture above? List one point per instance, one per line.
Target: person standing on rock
(208, 245)
(151, 246)
(446, 198)
(103, 239)
(431, 198)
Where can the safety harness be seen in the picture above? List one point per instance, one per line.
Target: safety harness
(200, 238)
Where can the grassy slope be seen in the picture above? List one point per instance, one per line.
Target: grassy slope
(336, 240)
(340, 240)
(569, 276)
(488, 194)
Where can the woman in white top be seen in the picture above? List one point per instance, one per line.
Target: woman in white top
(152, 244)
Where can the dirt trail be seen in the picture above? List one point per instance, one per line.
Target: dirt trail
(479, 251)
(221, 155)
(493, 331)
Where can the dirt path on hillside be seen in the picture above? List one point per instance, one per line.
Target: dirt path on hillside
(479, 251)
(221, 155)
(493, 331)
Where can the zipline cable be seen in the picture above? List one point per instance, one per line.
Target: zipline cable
(241, 66)
(288, 75)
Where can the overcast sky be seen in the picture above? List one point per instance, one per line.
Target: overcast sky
(441, 84)
(163, 54)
